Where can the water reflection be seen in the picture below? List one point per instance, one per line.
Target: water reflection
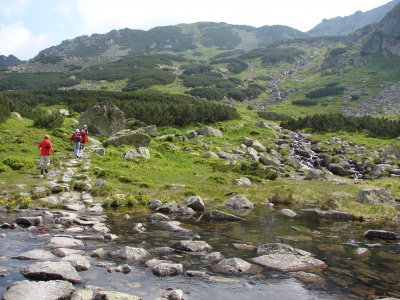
(349, 275)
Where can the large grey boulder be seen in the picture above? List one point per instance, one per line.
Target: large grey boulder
(285, 258)
(130, 253)
(36, 290)
(64, 242)
(36, 255)
(381, 234)
(191, 246)
(238, 202)
(104, 120)
(220, 215)
(209, 131)
(334, 214)
(233, 265)
(167, 269)
(316, 174)
(140, 152)
(194, 202)
(375, 196)
(129, 137)
(60, 270)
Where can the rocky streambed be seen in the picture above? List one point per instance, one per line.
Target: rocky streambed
(173, 251)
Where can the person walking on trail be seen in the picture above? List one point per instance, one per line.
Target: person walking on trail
(84, 135)
(46, 147)
(76, 139)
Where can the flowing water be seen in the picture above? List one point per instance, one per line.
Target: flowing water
(348, 275)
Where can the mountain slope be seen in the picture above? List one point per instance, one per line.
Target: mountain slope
(345, 25)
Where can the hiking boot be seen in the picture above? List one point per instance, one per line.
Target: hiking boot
(47, 171)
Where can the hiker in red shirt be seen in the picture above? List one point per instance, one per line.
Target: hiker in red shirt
(76, 139)
(84, 135)
(46, 148)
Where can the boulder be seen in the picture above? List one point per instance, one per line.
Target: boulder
(29, 221)
(190, 134)
(209, 131)
(381, 234)
(210, 154)
(104, 120)
(233, 265)
(191, 246)
(316, 174)
(36, 255)
(166, 269)
(61, 270)
(285, 258)
(219, 215)
(375, 196)
(129, 137)
(130, 253)
(79, 262)
(63, 242)
(194, 202)
(242, 181)
(111, 295)
(288, 212)
(82, 295)
(238, 202)
(33, 290)
(140, 152)
(334, 214)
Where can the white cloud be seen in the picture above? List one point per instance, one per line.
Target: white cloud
(18, 41)
(13, 7)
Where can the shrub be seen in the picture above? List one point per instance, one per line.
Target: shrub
(217, 179)
(4, 168)
(255, 169)
(19, 163)
(44, 119)
(281, 198)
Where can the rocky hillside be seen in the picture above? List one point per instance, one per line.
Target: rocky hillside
(386, 35)
(345, 25)
(11, 60)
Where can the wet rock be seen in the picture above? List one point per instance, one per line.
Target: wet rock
(120, 269)
(191, 246)
(155, 204)
(77, 229)
(375, 196)
(238, 202)
(79, 262)
(104, 264)
(194, 202)
(90, 237)
(110, 237)
(100, 228)
(214, 256)
(174, 295)
(195, 273)
(95, 208)
(154, 262)
(99, 253)
(74, 207)
(183, 211)
(334, 214)
(158, 217)
(111, 295)
(138, 229)
(219, 215)
(62, 252)
(82, 295)
(36, 255)
(32, 290)
(243, 246)
(288, 212)
(233, 265)
(309, 278)
(381, 234)
(63, 242)
(167, 207)
(285, 258)
(3, 272)
(130, 253)
(61, 270)
(165, 269)
(29, 221)
(362, 251)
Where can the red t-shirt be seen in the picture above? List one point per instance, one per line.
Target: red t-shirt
(45, 147)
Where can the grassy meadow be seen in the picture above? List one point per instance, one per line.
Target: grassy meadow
(175, 173)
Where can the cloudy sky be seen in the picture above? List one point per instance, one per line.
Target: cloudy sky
(29, 26)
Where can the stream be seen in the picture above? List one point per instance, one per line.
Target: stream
(348, 275)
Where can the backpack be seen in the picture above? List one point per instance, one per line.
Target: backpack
(77, 138)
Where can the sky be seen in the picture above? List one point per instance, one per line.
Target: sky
(29, 26)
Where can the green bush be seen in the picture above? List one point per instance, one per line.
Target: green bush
(45, 119)
(4, 168)
(19, 163)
